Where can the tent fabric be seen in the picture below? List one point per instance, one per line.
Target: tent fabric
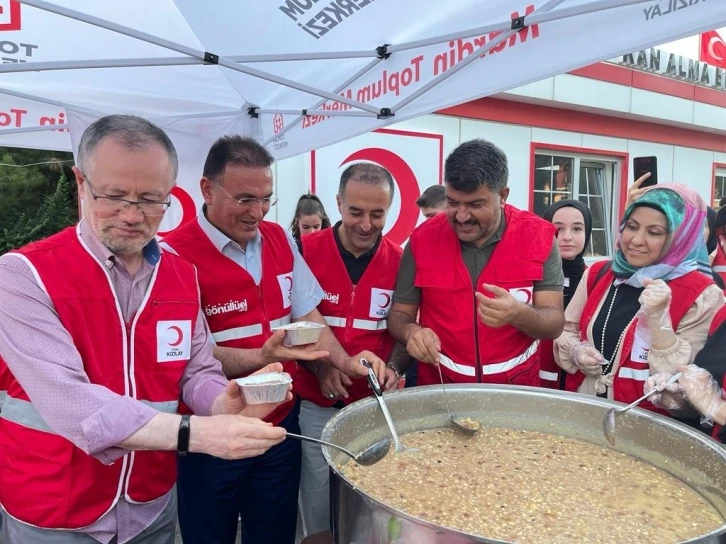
(264, 63)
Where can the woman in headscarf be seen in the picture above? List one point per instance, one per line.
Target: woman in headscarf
(574, 227)
(698, 398)
(655, 300)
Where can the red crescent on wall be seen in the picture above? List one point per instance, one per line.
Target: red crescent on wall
(407, 187)
(189, 209)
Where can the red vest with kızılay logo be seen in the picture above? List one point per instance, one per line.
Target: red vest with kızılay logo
(719, 262)
(718, 320)
(633, 368)
(47, 481)
(355, 313)
(240, 313)
(479, 353)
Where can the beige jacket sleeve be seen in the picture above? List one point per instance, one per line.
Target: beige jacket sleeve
(570, 336)
(691, 334)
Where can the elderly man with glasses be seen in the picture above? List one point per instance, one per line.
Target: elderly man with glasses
(101, 335)
(252, 279)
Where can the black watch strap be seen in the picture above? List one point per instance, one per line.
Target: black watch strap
(182, 444)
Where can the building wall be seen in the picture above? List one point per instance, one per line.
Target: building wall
(679, 163)
(610, 111)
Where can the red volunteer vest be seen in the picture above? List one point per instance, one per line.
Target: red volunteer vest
(355, 313)
(719, 263)
(718, 320)
(448, 307)
(240, 313)
(631, 376)
(549, 371)
(45, 480)
(550, 374)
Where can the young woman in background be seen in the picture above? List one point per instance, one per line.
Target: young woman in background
(309, 217)
(574, 227)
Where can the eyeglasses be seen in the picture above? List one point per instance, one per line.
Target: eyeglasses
(113, 205)
(248, 202)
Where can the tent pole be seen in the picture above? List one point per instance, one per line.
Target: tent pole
(34, 98)
(287, 57)
(534, 18)
(298, 86)
(20, 130)
(360, 73)
(551, 4)
(207, 57)
(163, 61)
(202, 115)
(31, 97)
(100, 63)
(331, 113)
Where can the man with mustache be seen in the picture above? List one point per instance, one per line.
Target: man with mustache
(252, 278)
(101, 335)
(485, 276)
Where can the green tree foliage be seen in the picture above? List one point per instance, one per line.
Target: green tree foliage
(36, 200)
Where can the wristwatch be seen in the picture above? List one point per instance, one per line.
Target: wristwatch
(395, 370)
(182, 442)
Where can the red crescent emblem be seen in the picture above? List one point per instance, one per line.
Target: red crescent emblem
(179, 336)
(386, 298)
(278, 123)
(712, 45)
(288, 279)
(527, 295)
(407, 186)
(189, 209)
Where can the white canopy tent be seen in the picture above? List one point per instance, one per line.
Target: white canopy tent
(297, 74)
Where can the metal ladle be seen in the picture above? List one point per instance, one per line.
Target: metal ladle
(369, 456)
(608, 424)
(454, 423)
(378, 393)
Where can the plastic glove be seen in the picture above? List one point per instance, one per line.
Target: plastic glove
(701, 390)
(668, 396)
(587, 359)
(655, 298)
(655, 301)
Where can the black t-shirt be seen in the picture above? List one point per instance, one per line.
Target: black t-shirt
(356, 266)
(625, 307)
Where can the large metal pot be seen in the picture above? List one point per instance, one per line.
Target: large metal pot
(359, 519)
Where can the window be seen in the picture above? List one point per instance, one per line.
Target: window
(590, 179)
(719, 185)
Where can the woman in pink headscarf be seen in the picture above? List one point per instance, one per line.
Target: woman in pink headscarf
(630, 317)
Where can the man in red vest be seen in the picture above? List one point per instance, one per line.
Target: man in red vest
(101, 335)
(485, 276)
(251, 279)
(356, 267)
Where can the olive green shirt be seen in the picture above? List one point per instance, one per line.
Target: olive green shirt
(475, 259)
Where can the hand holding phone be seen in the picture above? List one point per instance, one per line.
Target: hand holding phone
(645, 174)
(643, 166)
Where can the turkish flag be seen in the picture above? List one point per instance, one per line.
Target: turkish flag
(713, 49)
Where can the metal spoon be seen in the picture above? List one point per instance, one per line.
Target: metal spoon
(369, 456)
(378, 392)
(454, 423)
(608, 424)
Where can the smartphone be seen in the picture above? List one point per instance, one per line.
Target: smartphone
(643, 165)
